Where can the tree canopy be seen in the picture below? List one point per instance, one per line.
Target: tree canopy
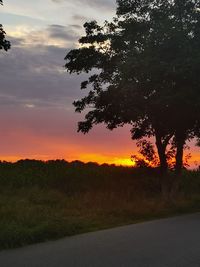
(146, 65)
(4, 44)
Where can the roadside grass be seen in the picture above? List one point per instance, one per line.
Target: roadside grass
(90, 198)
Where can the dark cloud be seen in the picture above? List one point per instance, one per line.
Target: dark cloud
(35, 76)
(62, 32)
(15, 41)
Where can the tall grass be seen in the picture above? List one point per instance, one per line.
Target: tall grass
(77, 177)
(46, 200)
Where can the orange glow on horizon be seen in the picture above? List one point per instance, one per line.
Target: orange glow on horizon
(100, 159)
(124, 160)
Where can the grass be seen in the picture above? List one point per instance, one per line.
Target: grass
(45, 201)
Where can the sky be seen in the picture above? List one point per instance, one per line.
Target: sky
(37, 117)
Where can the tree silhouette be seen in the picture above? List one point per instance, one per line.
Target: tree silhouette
(4, 44)
(147, 73)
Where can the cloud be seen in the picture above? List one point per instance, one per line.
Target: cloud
(56, 1)
(52, 35)
(10, 19)
(103, 4)
(16, 41)
(62, 32)
(76, 26)
(33, 73)
(41, 85)
(80, 18)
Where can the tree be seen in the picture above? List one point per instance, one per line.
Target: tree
(147, 65)
(4, 44)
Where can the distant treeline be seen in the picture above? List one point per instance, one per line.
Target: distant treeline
(76, 177)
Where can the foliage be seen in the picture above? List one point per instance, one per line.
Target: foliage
(4, 44)
(148, 156)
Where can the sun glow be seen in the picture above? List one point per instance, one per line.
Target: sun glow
(119, 161)
(124, 162)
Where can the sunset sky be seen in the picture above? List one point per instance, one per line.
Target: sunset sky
(37, 116)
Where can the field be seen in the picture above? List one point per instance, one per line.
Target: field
(47, 200)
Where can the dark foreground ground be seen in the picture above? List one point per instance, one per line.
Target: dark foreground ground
(168, 242)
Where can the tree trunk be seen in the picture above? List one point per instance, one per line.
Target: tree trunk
(162, 155)
(161, 147)
(179, 156)
(180, 142)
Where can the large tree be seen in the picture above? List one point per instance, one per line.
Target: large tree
(4, 44)
(147, 72)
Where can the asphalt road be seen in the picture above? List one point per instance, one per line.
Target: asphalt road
(171, 242)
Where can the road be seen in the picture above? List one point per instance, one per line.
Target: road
(173, 242)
